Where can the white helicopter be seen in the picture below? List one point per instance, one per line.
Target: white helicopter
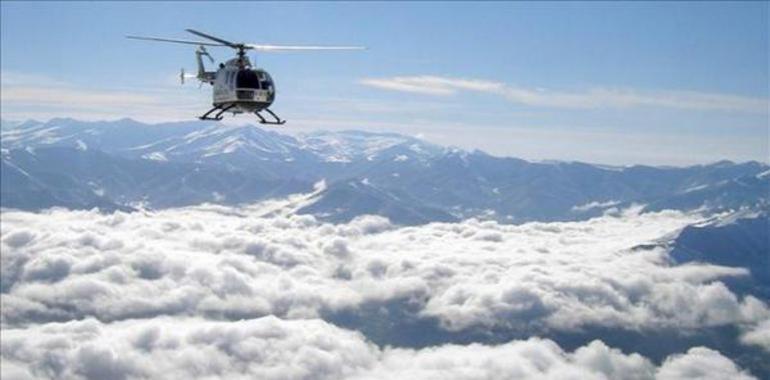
(238, 88)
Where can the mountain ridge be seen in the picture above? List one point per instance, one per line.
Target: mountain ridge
(209, 162)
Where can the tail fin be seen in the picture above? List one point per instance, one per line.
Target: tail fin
(201, 51)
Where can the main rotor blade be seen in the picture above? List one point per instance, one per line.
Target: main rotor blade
(173, 40)
(295, 48)
(221, 41)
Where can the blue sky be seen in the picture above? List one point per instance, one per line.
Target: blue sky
(616, 83)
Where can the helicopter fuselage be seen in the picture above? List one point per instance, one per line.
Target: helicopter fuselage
(237, 88)
(242, 89)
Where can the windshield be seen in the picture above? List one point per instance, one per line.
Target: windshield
(247, 79)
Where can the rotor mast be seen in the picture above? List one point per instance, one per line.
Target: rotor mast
(241, 57)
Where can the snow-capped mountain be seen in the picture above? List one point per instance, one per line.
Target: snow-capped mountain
(210, 143)
(121, 163)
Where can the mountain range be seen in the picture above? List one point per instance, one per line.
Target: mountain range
(125, 164)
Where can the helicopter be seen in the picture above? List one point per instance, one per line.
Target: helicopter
(238, 87)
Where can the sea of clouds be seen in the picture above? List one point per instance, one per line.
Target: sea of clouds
(274, 348)
(244, 292)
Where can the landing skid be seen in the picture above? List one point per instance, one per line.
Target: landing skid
(277, 120)
(262, 119)
(218, 116)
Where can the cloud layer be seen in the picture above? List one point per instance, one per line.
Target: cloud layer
(592, 98)
(237, 292)
(32, 96)
(231, 263)
(271, 348)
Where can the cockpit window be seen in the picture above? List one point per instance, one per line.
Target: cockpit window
(265, 81)
(247, 79)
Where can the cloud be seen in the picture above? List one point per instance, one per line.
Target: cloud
(47, 96)
(246, 262)
(33, 96)
(588, 99)
(273, 348)
(758, 335)
(237, 292)
(700, 363)
(529, 359)
(265, 348)
(594, 205)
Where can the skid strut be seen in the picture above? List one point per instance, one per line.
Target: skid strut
(206, 115)
(262, 119)
(218, 116)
